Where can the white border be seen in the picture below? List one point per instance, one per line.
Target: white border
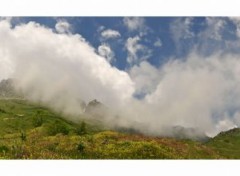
(118, 168)
(120, 8)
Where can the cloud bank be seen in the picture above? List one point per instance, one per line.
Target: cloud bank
(62, 70)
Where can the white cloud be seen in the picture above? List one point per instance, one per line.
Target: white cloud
(62, 26)
(214, 29)
(109, 33)
(206, 41)
(134, 23)
(236, 21)
(197, 92)
(6, 67)
(105, 51)
(180, 29)
(134, 47)
(145, 76)
(158, 43)
(224, 125)
(100, 28)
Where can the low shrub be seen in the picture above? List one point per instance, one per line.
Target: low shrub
(4, 148)
(81, 147)
(56, 127)
(37, 121)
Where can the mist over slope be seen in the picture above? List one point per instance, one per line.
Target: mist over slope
(62, 70)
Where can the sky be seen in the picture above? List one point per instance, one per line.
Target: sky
(157, 72)
(130, 40)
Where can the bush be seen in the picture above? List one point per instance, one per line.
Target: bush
(2, 111)
(81, 147)
(38, 119)
(3, 149)
(226, 140)
(57, 127)
(82, 129)
(23, 136)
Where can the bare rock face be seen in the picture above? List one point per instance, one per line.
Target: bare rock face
(93, 106)
(7, 88)
(97, 110)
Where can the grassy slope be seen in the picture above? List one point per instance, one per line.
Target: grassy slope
(56, 138)
(227, 143)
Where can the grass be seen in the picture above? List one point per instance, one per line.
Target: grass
(227, 144)
(32, 131)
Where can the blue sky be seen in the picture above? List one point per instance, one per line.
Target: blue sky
(159, 38)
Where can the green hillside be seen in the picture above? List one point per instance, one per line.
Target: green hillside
(227, 143)
(31, 131)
